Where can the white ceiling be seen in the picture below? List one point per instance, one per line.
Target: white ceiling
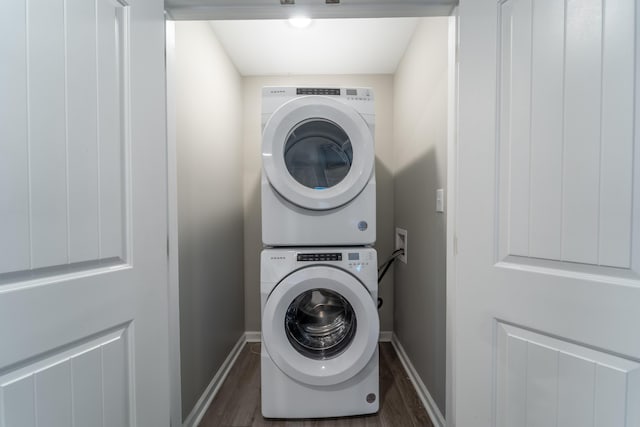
(327, 46)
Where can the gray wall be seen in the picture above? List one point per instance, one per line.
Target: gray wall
(383, 92)
(210, 208)
(420, 159)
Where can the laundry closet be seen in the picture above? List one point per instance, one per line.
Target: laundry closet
(215, 152)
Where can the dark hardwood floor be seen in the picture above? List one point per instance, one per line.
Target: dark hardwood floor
(238, 401)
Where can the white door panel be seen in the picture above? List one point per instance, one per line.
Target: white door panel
(548, 271)
(63, 193)
(541, 379)
(82, 119)
(83, 286)
(14, 226)
(88, 375)
(566, 131)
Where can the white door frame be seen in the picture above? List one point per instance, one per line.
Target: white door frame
(172, 231)
(172, 244)
(451, 203)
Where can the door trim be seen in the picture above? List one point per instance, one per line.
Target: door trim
(250, 9)
(452, 175)
(175, 379)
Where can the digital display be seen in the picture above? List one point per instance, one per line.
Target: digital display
(316, 91)
(354, 256)
(320, 257)
(352, 92)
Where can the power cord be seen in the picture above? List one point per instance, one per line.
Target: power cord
(382, 270)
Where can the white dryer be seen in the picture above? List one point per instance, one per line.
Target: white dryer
(320, 330)
(318, 166)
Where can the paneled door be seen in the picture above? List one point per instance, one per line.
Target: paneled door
(548, 216)
(83, 258)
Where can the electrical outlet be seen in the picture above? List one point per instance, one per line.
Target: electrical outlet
(401, 243)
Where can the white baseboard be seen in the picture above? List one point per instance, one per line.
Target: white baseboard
(253, 336)
(421, 389)
(385, 336)
(212, 389)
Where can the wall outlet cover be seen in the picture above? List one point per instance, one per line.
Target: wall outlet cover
(401, 243)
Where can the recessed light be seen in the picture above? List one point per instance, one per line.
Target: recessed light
(300, 21)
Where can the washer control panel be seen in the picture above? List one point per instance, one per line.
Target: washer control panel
(351, 259)
(362, 262)
(323, 256)
(358, 260)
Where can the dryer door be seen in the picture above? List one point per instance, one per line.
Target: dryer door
(317, 153)
(320, 325)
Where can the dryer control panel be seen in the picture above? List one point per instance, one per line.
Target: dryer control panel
(317, 91)
(359, 98)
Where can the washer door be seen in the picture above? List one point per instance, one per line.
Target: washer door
(320, 325)
(317, 153)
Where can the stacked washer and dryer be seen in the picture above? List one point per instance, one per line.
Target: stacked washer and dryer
(319, 281)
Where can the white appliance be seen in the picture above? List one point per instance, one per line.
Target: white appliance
(318, 166)
(320, 330)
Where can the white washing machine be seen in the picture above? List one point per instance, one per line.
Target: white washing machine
(320, 330)
(318, 166)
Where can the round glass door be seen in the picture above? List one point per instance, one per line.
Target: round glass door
(318, 154)
(320, 324)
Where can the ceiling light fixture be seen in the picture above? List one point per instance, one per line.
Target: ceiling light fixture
(300, 21)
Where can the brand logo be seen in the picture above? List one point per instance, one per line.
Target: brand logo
(362, 225)
(278, 257)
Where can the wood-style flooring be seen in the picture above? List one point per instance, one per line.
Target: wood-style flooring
(238, 401)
